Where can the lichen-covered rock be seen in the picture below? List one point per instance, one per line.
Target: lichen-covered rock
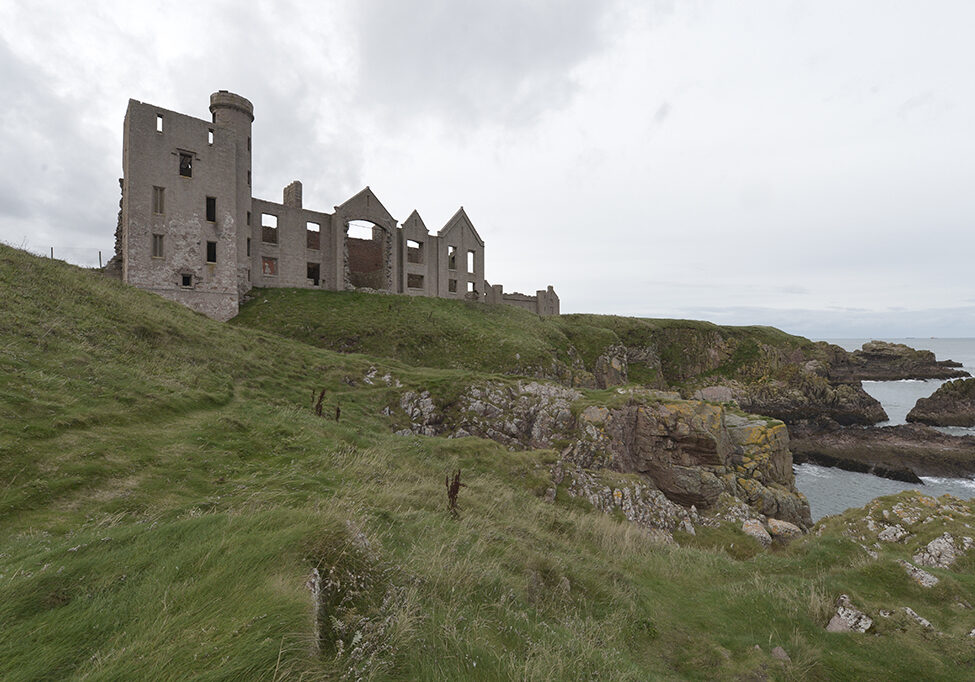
(942, 551)
(611, 367)
(894, 533)
(691, 452)
(756, 530)
(778, 528)
(715, 394)
(918, 575)
(848, 618)
(923, 622)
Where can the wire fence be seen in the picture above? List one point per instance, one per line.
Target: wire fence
(85, 256)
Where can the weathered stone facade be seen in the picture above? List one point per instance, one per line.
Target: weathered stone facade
(192, 231)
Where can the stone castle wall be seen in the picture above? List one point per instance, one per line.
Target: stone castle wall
(192, 231)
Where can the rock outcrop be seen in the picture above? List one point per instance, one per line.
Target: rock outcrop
(901, 453)
(848, 618)
(690, 452)
(943, 551)
(953, 404)
(883, 361)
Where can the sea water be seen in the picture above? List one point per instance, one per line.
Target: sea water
(832, 491)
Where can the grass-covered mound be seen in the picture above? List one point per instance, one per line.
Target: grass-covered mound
(431, 332)
(169, 495)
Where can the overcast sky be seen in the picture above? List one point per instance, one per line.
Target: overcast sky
(809, 165)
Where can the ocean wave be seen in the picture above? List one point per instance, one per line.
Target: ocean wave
(937, 480)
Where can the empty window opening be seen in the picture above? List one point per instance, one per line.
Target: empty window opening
(248, 144)
(269, 266)
(470, 261)
(248, 246)
(414, 251)
(470, 288)
(248, 274)
(452, 285)
(211, 252)
(360, 229)
(186, 280)
(414, 281)
(213, 117)
(452, 258)
(248, 178)
(313, 233)
(210, 136)
(157, 246)
(158, 200)
(248, 217)
(367, 257)
(269, 228)
(211, 209)
(158, 123)
(186, 165)
(314, 270)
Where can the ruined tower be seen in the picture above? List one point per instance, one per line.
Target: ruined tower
(185, 198)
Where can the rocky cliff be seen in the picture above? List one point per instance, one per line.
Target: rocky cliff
(697, 455)
(953, 404)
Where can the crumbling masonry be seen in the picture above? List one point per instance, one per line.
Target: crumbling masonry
(191, 231)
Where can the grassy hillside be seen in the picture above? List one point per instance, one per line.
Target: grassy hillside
(168, 491)
(433, 332)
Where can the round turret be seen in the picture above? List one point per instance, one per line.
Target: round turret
(225, 104)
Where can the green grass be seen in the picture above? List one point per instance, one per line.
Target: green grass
(166, 492)
(430, 332)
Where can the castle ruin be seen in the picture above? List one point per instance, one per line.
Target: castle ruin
(190, 229)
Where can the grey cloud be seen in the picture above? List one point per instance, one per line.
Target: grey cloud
(916, 103)
(56, 172)
(470, 61)
(661, 114)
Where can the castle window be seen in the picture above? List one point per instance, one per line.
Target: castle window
(248, 178)
(470, 287)
(452, 259)
(157, 246)
(470, 262)
(210, 136)
(248, 217)
(248, 144)
(414, 251)
(414, 281)
(313, 233)
(186, 165)
(452, 286)
(248, 274)
(158, 200)
(269, 228)
(211, 252)
(158, 123)
(248, 246)
(269, 266)
(211, 209)
(314, 273)
(186, 280)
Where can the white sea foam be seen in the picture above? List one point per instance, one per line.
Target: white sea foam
(968, 483)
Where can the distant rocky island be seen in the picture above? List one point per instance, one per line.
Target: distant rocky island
(953, 404)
